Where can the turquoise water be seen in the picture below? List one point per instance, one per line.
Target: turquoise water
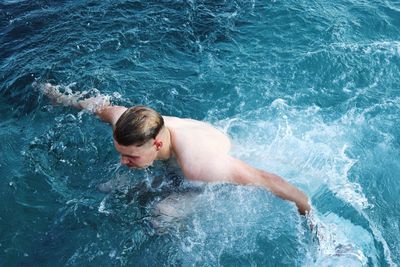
(308, 90)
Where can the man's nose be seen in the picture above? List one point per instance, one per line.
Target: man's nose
(124, 160)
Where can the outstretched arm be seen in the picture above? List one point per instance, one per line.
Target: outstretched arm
(100, 104)
(228, 169)
(246, 174)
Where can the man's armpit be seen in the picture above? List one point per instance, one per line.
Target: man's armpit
(213, 169)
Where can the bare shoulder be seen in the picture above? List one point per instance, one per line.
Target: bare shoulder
(201, 149)
(191, 137)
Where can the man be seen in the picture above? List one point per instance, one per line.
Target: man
(142, 135)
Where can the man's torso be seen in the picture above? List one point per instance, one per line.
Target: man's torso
(195, 142)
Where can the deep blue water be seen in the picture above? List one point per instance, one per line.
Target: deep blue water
(309, 90)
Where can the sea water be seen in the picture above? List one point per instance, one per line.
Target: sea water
(309, 90)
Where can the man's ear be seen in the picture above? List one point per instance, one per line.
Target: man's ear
(158, 144)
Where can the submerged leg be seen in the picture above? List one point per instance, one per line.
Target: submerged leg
(171, 211)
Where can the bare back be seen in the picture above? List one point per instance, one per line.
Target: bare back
(196, 143)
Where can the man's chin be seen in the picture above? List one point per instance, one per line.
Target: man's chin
(139, 167)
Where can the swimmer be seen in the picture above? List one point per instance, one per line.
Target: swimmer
(141, 136)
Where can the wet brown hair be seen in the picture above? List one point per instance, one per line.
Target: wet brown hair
(137, 125)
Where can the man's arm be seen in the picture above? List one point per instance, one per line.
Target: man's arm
(229, 169)
(100, 104)
(245, 174)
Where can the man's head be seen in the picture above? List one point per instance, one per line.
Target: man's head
(135, 136)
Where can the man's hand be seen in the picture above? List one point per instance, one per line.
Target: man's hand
(52, 92)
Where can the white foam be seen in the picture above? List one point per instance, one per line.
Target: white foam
(102, 206)
(91, 100)
(384, 47)
(299, 146)
(341, 241)
(311, 153)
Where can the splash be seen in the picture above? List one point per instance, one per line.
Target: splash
(299, 145)
(91, 100)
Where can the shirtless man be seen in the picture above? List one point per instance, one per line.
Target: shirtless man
(142, 135)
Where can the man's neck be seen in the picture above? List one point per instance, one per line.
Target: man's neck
(166, 150)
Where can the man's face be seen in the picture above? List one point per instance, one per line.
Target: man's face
(137, 156)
